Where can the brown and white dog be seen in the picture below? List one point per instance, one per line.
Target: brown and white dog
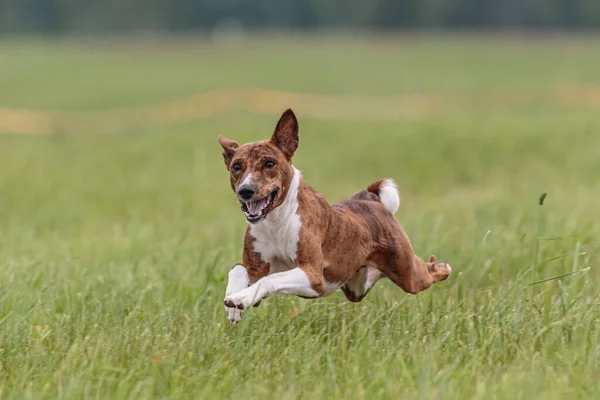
(298, 244)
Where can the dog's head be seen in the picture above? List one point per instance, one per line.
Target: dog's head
(261, 172)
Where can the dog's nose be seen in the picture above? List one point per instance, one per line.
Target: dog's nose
(246, 192)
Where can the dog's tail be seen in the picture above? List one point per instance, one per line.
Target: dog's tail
(388, 194)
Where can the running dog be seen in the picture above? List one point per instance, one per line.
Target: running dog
(298, 244)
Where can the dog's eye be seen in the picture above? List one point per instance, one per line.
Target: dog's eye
(269, 164)
(236, 167)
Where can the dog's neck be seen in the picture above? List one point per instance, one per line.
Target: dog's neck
(282, 215)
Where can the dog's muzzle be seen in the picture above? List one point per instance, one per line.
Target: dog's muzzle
(257, 209)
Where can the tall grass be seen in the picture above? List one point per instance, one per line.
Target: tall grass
(114, 249)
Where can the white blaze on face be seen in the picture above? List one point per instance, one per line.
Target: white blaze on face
(247, 180)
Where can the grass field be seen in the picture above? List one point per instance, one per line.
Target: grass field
(115, 247)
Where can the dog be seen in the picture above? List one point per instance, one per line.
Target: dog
(298, 244)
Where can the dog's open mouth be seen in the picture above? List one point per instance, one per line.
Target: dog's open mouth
(257, 210)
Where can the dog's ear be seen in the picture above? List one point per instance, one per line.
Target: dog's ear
(229, 147)
(285, 136)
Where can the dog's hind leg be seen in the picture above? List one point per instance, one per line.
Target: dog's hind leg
(408, 271)
(361, 283)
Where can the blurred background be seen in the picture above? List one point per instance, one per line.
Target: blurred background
(89, 16)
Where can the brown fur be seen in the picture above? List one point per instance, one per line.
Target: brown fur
(335, 240)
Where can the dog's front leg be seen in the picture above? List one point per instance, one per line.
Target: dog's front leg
(238, 281)
(242, 276)
(297, 281)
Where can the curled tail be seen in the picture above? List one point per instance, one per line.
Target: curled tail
(388, 194)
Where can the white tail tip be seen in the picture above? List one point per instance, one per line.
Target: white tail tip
(388, 193)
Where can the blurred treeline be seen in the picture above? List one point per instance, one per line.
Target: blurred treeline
(65, 16)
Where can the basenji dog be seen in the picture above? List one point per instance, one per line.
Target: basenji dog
(298, 244)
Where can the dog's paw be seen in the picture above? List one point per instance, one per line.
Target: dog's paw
(443, 270)
(237, 302)
(242, 300)
(234, 315)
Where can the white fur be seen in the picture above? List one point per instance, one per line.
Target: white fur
(363, 280)
(238, 281)
(247, 180)
(277, 236)
(388, 193)
(330, 287)
(294, 282)
(357, 284)
(447, 265)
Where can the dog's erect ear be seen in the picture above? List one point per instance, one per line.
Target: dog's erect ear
(285, 136)
(229, 147)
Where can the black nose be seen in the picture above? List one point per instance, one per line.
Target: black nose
(246, 192)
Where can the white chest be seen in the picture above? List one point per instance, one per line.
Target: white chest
(277, 243)
(276, 238)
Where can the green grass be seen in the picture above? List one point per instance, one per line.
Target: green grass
(87, 75)
(114, 249)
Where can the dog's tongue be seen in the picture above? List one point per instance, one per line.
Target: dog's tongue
(254, 207)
